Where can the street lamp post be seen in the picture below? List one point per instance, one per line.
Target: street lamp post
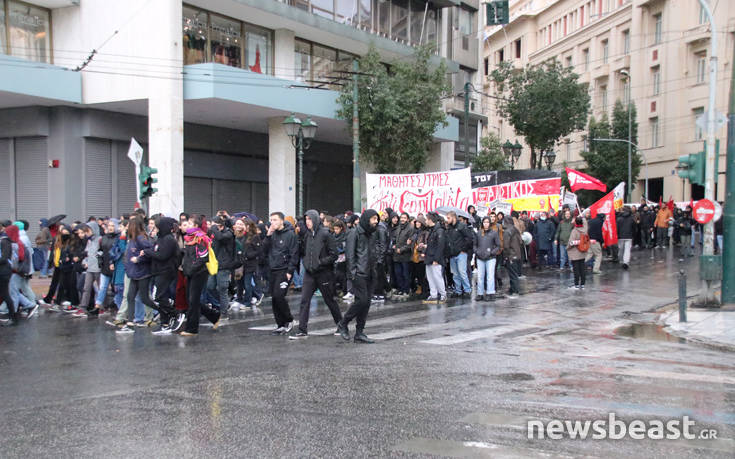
(512, 152)
(631, 144)
(301, 135)
(549, 157)
(630, 132)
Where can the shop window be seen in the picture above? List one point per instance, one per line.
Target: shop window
(399, 19)
(226, 41)
(28, 28)
(258, 49)
(195, 36)
(303, 60)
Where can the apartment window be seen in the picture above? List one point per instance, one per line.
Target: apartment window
(213, 38)
(701, 67)
(605, 51)
(569, 61)
(323, 8)
(464, 21)
(28, 30)
(658, 30)
(302, 60)
(626, 42)
(698, 133)
(603, 97)
(486, 66)
(655, 134)
(517, 46)
(656, 78)
(501, 56)
(581, 16)
(586, 59)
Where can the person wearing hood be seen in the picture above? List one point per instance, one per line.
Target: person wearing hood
(194, 267)
(320, 253)
(165, 262)
(543, 233)
(575, 254)
(92, 264)
(626, 228)
(381, 244)
(282, 247)
(112, 249)
(460, 238)
(402, 252)
(361, 259)
(512, 256)
(6, 270)
(339, 230)
(225, 249)
(20, 288)
(43, 242)
(434, 259)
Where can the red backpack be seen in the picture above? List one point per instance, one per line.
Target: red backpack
(584, 243)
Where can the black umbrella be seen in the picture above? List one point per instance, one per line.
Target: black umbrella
(248, 215)
(55, 219)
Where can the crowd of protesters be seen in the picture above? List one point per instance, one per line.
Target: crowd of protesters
(166, 273)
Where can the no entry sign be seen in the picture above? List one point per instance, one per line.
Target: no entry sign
(704, 211)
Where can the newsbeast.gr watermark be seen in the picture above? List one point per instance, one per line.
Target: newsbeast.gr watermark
(616, 429)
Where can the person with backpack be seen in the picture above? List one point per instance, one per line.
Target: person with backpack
(6, 270)
(194, 266)
(577, 247)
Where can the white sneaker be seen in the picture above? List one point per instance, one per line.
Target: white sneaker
(235, 306)
(253, 300)
(288, 327)
(162, 331)
(125, 330)
(66, 304)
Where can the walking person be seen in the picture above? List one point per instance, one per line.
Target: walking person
(512, 257)
(194, 268)
(626, 228)
(43, 243)
(361, 259)
(138, 270)
(562, 237)
(6, 269)
(165, 262)
(685, 224)
(54, 260)
(320, 253)
(543, 233)
(596, 241)
(282, 247)
(578, 246)
(434, 258)
(486, 248)
(91, 263)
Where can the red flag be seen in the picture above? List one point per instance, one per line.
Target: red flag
(670, 204)
(581, 181)
(606, 206)
(660, 201)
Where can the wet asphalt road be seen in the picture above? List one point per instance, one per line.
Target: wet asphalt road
(456, 380)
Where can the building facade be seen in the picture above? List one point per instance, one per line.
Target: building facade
(203, 86)
(663, 45)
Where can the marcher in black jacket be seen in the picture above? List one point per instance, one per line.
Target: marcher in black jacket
(6, 270)
(435, 257)
(194, 267)
(361, 258)
(460, 239)
(320, 253)
(282, 247)
(382, 242)
(165, 262)
(223, 244)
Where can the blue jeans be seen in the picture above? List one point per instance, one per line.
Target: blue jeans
(458, 266)
(44, 265)
(102, 292)
(563, 255)
(403, 276)
(486, 276)
(298, 276)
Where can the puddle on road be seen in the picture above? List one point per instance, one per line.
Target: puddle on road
(651, 332)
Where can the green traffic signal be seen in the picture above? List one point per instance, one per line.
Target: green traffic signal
(147, 180)
(691, 167)
(497, 12)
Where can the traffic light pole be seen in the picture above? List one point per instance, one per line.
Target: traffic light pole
(707, 294)
(356, 193)
(728, 216)
(467, 124)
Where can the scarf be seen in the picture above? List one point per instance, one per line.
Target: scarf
(195, 236)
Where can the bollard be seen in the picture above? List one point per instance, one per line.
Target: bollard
(682, 296)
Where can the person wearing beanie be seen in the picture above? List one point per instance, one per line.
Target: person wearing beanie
(361, 259)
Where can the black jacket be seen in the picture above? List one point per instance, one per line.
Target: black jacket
(435, 246)
(282, 248)
(404, 250)
(594, 228)
(109, 240)
(6, 254)
(381, 242)
(360, 253)
(460, 239)
(250, 253)
(320, 248)
(193, 264)
(223, 244)
(164, 254)
(625, 225)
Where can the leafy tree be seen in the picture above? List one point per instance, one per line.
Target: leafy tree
(490, 157)
(400, 108)
(543, 103)
(608, 161)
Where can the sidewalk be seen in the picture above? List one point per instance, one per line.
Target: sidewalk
(709, 326)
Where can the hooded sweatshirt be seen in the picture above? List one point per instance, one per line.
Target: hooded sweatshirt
(282, 248)
(93, 248)
(6, 255)
(164, 254)
(320, 247)
(360, 252)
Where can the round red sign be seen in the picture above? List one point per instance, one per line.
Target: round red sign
(704, 211)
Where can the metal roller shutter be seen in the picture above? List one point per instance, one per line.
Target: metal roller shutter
(232, 196)
(198, 195)
(261, 201)
(5, 170)
(31, 180)
(125, 180)
(98, 175)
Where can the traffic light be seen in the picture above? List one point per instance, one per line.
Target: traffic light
(691, 167)
(146, 181)
(497, 12)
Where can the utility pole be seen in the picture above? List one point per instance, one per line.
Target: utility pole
(630, 134)
(708, 260)
(466, 124)
(356, 193)
(728, 215)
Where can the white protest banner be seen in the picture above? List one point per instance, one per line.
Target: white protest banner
(569, 199)
(419, 193)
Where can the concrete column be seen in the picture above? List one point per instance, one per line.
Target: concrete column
(284, 54)
(441, 157)
(166, 114)
(281, 169)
